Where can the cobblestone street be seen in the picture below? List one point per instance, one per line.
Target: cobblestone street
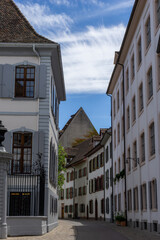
(95, 230)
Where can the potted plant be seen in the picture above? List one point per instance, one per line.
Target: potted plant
(120, 220)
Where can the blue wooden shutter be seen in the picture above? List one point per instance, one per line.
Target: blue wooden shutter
(40, 81)
(8, 81)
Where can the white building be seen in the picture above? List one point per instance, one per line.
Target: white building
(31, 88)
(83, 196)
(136, 134)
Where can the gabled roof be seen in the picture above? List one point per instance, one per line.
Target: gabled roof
(69, 122)
(14, 27)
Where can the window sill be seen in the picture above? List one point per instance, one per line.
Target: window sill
(147, 48)
(133, 122)
(149, 100)
(142, 164)
(141, 111)
(134, 168)
(157, 28)
(139, 65)
(154, 210)
(24, 99)
(152, 157)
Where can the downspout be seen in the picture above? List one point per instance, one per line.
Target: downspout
(112, 215)
(36, 52)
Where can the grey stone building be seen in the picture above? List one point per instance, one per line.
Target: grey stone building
(31, 89)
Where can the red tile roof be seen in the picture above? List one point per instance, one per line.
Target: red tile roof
(14, 27)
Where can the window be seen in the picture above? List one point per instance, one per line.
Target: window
(84, 190)
(82, 208)
(141, 97)
(115, 203)
(110, 149)
(142, 150)
(118, 130)
(84, 172)
(143, 197)
(135, 192)
(111, 176)
(71, 192)
(139, 51)
(115, 170)
(67, 176)
(153, 194)
(117, 101)
(80, 173)
(107, 179)
(158, 12)
(133, 109)
(91, 206)
(107, 205)
(102, 206)
(135, 154)
(80, 191)
(128, 118)
(107, 154)
(132, 67)
(22, 150)
(129, 160)
(148, 33)
(66, 209)
(25, 81)
(119, 165)
(152, 139)
(70, 208)
(122, 91)
(54, 103)
(127, 81)
(150, 83)
(130, 200)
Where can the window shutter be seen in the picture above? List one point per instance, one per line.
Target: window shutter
(38, 146)
(155, 194)
(40, 81)
(8, 81)
(8, 142)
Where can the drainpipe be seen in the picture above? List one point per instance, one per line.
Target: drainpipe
(112, 214)
(124, 124)
(36, 52)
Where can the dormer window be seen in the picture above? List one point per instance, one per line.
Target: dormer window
(25, 81)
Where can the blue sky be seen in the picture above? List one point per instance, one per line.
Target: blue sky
(89, 32)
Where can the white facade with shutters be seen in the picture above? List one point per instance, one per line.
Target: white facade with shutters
(140, 56)
(37, 115)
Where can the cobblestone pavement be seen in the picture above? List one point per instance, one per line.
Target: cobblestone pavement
(64, 231)
(74, 230)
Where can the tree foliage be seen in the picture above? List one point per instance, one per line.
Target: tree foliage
(61, 166)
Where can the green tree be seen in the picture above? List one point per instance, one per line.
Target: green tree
(61, 166)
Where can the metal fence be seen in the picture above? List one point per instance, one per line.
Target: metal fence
(25, 195)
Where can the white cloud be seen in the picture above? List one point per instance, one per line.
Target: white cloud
(60, 2)
(41, 18)
(88, 58)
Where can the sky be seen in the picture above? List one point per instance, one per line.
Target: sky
(89, 32)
